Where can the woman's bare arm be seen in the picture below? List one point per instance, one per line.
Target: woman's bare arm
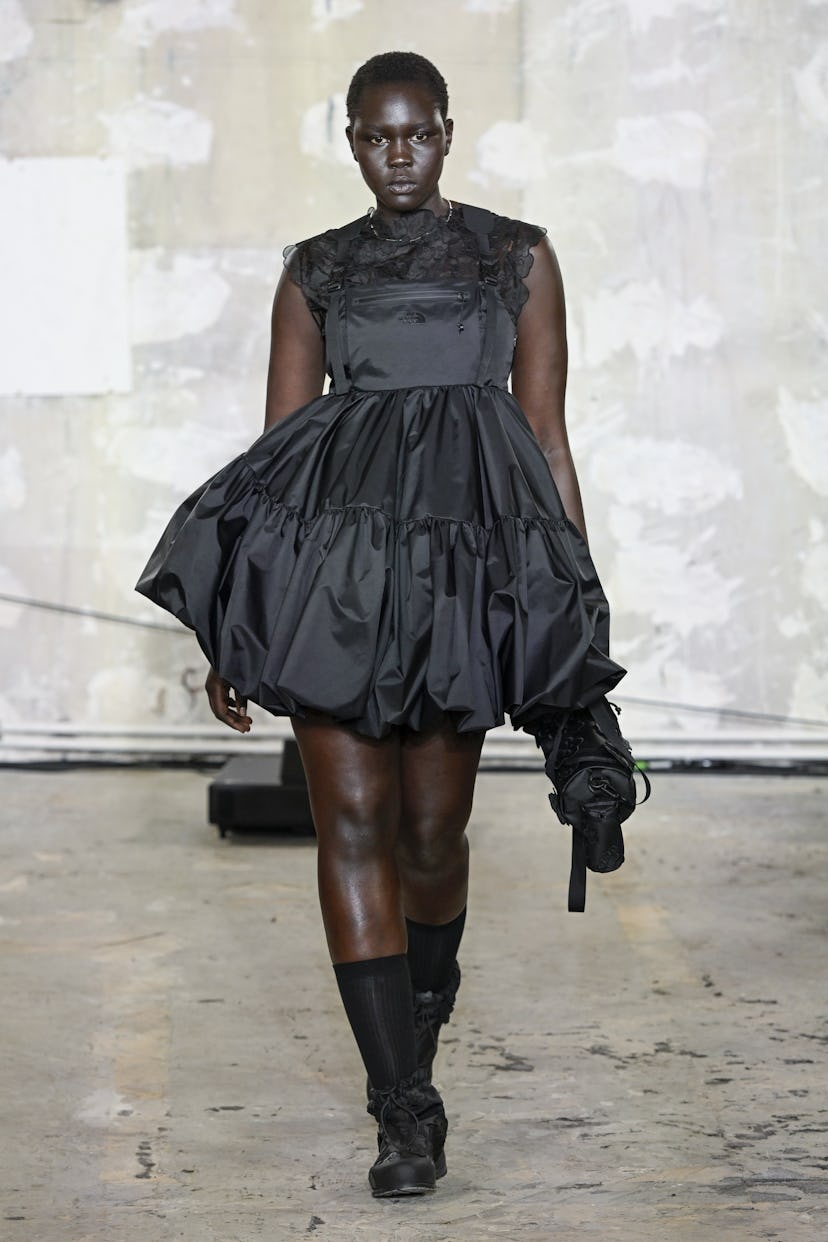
(539, 374)
(296, 373)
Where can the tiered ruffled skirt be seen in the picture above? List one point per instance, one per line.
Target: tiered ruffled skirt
(391, 558)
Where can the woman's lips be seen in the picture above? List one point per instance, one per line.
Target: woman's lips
(402, 187)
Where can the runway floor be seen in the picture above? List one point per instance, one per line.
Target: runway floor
(176, 1066)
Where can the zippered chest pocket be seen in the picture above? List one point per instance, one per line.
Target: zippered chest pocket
(411, 335)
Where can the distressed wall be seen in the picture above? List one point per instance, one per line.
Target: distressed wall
(156, 156)
(680, 160)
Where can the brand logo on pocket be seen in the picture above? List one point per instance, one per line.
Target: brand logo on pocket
(412, 316)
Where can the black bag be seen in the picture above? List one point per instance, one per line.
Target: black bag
(592, 771)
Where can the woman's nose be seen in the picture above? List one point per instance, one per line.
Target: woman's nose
(398, 153)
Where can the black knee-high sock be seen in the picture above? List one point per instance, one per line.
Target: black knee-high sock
(377, 997)
(432, 950)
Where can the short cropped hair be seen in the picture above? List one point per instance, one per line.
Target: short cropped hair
(397, 67)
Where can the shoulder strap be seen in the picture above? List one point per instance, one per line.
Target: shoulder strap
(478, 219)
(343, 236)
(481, 223)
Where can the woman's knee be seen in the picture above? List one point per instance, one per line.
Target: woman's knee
(429, 847)
(358, 828)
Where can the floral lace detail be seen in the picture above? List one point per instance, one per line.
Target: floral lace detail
(417, 246)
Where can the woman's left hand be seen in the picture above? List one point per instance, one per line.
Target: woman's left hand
(225, 704)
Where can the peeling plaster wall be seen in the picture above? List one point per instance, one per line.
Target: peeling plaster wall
(682, 174)
(155, 157)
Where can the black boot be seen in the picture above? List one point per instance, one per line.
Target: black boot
(431, 1011)
(411, 1136)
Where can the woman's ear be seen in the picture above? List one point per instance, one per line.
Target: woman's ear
(349, 134)
(449, 126)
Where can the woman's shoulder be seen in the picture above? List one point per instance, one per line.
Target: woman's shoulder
(511, 243)
(320, 250)
(507, 232)
(310, 264)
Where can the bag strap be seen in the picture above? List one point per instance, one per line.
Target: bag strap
(334, 327)
(481, 223)
(333, 336)
(578, 874)
(343, 237)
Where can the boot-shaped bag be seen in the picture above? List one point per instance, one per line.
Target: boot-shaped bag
(592, 771)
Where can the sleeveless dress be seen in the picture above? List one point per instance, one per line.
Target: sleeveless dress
(395, 552)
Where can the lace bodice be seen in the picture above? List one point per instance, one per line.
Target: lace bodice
(416, 246)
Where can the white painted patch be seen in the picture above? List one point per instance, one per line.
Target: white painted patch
(15, 32)
(815, 574)
(579, 28)
(599, 424)
(805, 424)
(176, 298)
(125, 694)
(154, 131)
(10, 584)
(642, 13)
(322, 132)
(811, 85)
(671, 147)
(670, 584)
(658, 672)
(142, 23)
(816, 528)
(793, 626)
(672, 476)
(101, 1107)
(512, 153)
(819, 324)
(63, 321)
(183, 454)
(323, 12)
(586, 22)
(648, 320)
(12, 481)
(625, 523)
(809, 697)
(671, 74)
(492, 7)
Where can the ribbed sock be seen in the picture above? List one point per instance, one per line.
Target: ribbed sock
(377, 997)
(432, 950)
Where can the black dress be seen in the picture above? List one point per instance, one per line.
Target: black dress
(395, 552)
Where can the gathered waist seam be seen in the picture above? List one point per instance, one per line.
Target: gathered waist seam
(537, 520)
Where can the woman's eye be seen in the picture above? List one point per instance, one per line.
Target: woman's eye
(422, 136)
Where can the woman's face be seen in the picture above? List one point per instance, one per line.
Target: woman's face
(399, 139)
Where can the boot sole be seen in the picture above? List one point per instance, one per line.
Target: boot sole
(402, 1192)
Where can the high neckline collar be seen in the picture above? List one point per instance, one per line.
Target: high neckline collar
(410, 224)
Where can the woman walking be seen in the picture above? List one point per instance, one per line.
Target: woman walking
(398, 564)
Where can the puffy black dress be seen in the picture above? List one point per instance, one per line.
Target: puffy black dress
(395, 552)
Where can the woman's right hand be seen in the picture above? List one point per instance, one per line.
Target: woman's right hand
(225, 704)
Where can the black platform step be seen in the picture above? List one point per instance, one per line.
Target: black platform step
(261, 793)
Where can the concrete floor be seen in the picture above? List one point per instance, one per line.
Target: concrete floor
(175, 1063)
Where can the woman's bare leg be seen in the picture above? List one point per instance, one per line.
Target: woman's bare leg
(437, 776)
(358, 790)
(354, 785)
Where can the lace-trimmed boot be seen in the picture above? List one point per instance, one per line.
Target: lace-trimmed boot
(431, 1011)
(411, 1135)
